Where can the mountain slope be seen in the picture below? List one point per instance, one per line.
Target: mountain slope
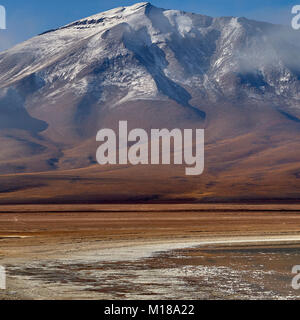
(239, 79)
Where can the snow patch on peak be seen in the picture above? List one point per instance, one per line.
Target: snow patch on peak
(113, 14)
(139, 5)
(235, 22)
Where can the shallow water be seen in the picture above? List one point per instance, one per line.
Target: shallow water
(257, 272)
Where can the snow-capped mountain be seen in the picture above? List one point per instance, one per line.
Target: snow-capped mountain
(154, 68)
(151, 53)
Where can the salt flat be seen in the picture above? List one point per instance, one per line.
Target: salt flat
(150, 251)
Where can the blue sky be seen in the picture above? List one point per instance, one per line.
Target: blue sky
(26, 18)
